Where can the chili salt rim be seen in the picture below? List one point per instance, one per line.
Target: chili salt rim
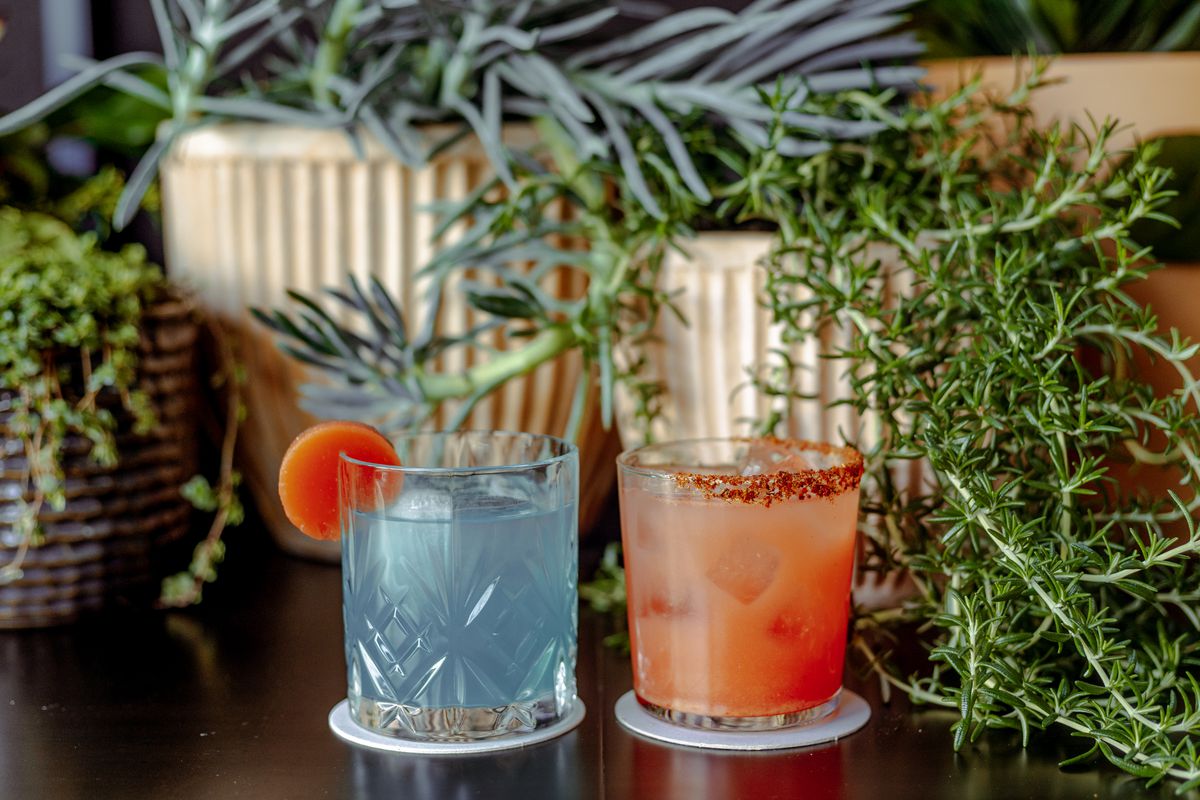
(770, 487)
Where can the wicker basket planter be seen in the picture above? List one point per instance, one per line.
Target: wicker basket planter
(101, 546)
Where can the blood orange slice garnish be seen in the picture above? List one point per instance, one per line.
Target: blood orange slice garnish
(308, 474)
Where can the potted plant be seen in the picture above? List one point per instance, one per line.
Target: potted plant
(358, 112)
(1121, 60)
(97, 422)
(1050, 593)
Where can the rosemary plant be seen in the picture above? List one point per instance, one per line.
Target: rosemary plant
(390, 66)
(1048, 590)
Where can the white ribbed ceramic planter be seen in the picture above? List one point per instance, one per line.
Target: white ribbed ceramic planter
(704, 365)
(252, 210)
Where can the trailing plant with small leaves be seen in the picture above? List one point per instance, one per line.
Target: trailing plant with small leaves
(1051, 592)
(222, 501)
(391, 67)
(70, 312)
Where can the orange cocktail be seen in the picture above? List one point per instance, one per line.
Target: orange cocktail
(738, 557)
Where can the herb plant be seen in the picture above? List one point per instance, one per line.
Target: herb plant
(1048, 588)
(391, 66)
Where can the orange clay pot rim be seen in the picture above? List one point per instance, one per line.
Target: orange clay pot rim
(763, 488)
(569, 450)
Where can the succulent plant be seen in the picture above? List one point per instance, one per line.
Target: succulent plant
(390, 66)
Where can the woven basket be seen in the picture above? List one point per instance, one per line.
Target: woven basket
(99, 548)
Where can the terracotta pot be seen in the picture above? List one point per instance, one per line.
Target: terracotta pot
(252, 210)
(1145, 91)
(101, 546)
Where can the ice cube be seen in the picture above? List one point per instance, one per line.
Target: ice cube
(763, 458)
(477, 501)
(667, 601)
(424, 505)
(791, 624)
(745, 570)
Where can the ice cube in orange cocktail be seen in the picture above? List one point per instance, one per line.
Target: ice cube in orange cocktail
(739, 583)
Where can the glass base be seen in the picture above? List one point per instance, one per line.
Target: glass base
(455, 724)
(772, 722)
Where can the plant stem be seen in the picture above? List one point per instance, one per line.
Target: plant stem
(503, 367)
(331, 49)
(226, 487)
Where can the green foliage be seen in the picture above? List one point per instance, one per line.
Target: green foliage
(606, 594)
(70, 312)
(1050, 591)
(183, 588)
(390, 67)
(956, 28)
(1180, 240)
(222, 501)
(515, 244)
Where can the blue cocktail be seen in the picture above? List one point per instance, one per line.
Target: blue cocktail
(459, 577)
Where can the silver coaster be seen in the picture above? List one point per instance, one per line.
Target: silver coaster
(851, 714)
(346, 729)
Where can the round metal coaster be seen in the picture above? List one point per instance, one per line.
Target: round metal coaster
(851, 714)
(346, 729)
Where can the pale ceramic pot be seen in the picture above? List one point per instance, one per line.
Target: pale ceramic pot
(705, 365)
(252, 210)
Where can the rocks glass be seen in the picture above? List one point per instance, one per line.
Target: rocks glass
(459, 576)
(738, 556)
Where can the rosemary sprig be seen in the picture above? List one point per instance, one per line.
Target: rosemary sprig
(1050, 588)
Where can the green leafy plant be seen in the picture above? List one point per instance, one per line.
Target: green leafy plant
(70, 313)
(606, 594)
(1179, 239)
(390, 67)
(955, 28)
(1048, 589)
(186, 587)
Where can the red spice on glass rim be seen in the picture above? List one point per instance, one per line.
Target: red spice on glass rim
(772, 487)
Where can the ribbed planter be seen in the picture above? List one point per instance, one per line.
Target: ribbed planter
(704, 365)
(101, 546)
(252, 210)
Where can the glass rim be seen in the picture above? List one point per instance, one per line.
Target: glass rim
(569, 450)
(764, 488)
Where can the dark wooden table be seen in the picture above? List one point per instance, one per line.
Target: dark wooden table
(230, 701)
